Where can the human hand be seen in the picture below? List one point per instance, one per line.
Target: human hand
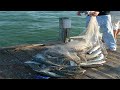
(78, 13)
(93, 13)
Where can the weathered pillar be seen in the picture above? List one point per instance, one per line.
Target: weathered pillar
(64, 25)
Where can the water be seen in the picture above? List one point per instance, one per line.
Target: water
(30, 27)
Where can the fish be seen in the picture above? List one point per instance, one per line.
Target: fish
(34, 65)
(31, 62)
(60, 71)
(48, 73)
(94, 49)
(73, 63)
(46, 62)
(93, 55)
(40, 56)
(98, 60)
(92, 63)
(86, 57)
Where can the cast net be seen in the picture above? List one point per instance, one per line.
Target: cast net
(67, 59)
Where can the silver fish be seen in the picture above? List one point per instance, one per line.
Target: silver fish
(31, 62)
(73, 63)
(94, 49)
(48, 73)
(33, 65)
(93, 63)
(40, 56)
(94, 54)
(98, 60)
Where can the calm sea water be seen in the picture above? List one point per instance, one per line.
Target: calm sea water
(29, 27)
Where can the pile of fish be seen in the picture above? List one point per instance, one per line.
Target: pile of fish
(93, 56)
(54, 65)
(61, 61)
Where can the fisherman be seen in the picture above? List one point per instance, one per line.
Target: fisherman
(116, 28)
(115, 22)
(104, 21)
